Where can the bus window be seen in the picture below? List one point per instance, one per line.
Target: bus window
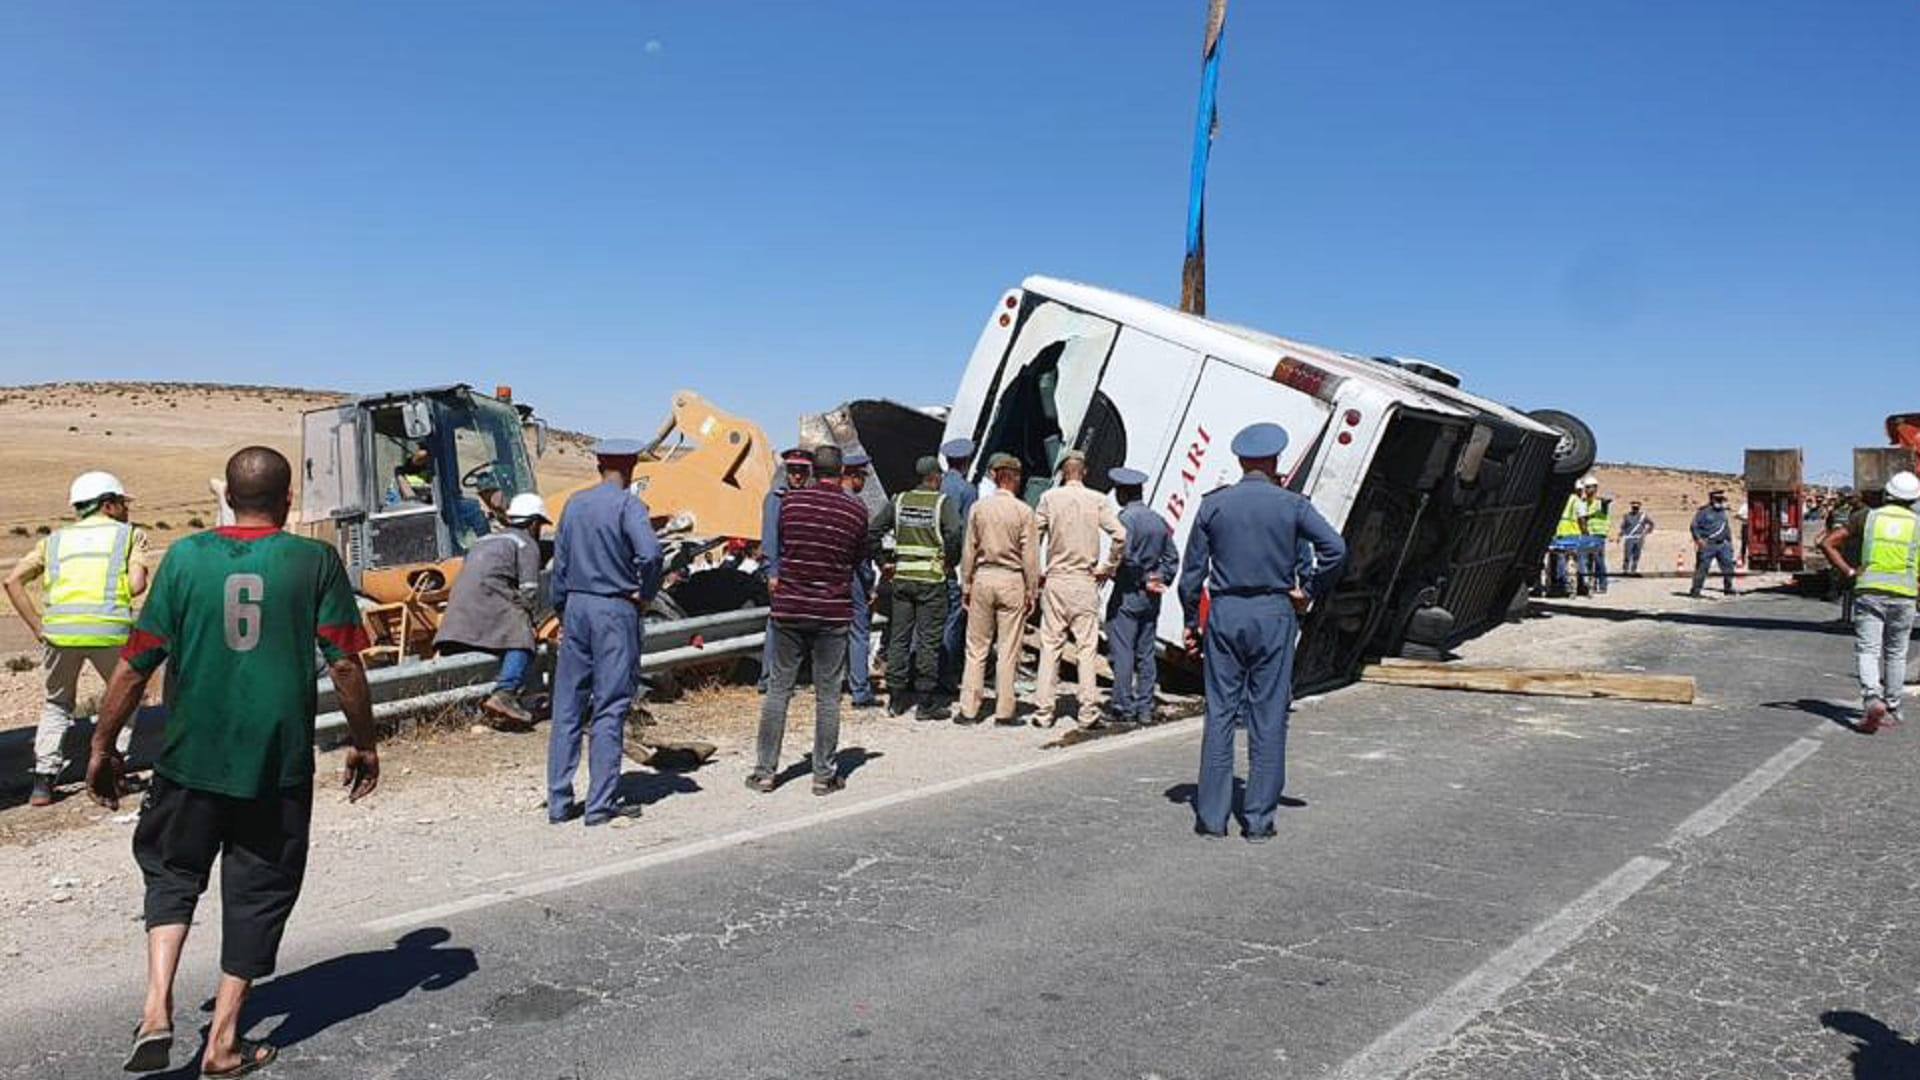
(1048, 389)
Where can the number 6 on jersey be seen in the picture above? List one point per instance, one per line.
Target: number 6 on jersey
(243, 595)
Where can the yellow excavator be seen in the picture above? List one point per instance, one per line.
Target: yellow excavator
(404, 482)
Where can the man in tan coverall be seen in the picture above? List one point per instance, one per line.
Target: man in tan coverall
(1070, 519)
(999, 580)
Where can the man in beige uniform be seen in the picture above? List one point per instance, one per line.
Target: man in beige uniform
(999, 579)
(1070, 519)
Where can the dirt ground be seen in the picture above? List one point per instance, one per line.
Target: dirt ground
(461, 810)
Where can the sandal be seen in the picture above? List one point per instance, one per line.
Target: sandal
(762, 784)
(151, 1052)
(254, 1055)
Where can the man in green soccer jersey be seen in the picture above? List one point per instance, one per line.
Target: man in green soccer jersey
(238, 612)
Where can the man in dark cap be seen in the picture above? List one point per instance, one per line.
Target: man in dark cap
(853, 480)
(1245, 554)
(824, 532)
(925, 524)
(796, 471)
(606, 570)
(1147, 566)
(999, 582)
(1712, 542)
(963, 493)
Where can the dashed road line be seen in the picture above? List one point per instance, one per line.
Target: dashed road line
(1427, 1030)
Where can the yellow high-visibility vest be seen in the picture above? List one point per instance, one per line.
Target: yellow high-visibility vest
(1889, 553)
(919, 553)
(89, 598)
(1576, 509)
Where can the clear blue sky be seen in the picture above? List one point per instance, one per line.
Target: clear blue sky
(1692, 223)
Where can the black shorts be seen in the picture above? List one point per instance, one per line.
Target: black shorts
(262, 847)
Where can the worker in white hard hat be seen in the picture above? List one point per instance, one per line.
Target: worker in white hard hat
(1878, 551)
(1599, 526)
(1570, 539)
(494, 602)
(93, 570)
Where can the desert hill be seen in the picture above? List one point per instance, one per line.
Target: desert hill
(164, 440)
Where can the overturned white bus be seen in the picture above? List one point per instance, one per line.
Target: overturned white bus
(1447, 500)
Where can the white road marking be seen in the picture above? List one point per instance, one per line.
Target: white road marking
(1392, 1054)
(734, 839)
(1413, 1039)
(1708, 819)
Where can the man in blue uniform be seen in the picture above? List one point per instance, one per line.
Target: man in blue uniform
(1246, 555)
(1712, 542)
(1147, 565)
(963, 494)
(606, 569)
(797, 466)
(853, 480)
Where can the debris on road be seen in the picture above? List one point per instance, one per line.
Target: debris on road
(1550, 682)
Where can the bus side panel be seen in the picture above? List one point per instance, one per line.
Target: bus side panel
(1225, 399)
(1143, 376)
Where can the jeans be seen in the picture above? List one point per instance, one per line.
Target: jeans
(1597, 566)
(1882, 625)
(513, 669)
(860, 647)
(827, 645)
(1630, 554)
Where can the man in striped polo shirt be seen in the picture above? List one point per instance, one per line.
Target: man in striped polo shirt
(823, 535)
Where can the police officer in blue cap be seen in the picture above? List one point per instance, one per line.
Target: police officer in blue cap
(1246, 555)
(1147, 566)
(606, 570)
(853, 481)
(962, 493)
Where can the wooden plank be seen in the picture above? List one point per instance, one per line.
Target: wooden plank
(1622, 685)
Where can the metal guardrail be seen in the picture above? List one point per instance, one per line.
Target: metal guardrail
(444, 681)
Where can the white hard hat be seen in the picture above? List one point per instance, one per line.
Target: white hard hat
(526, 506)
(89, 486)
(1589, 481)
(1903, 486)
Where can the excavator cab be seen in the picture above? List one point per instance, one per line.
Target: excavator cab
(408, 480)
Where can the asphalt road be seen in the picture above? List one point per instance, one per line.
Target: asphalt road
(1479, 887)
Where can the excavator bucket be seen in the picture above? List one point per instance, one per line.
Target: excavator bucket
(712, 478)
(1903, 429)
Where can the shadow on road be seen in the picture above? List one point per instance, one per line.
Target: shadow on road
(1831, 711)
(333, 991)
(647, 788)
(845, 761)
(1693, 618)
(1183, 795)
(1879, 1053)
